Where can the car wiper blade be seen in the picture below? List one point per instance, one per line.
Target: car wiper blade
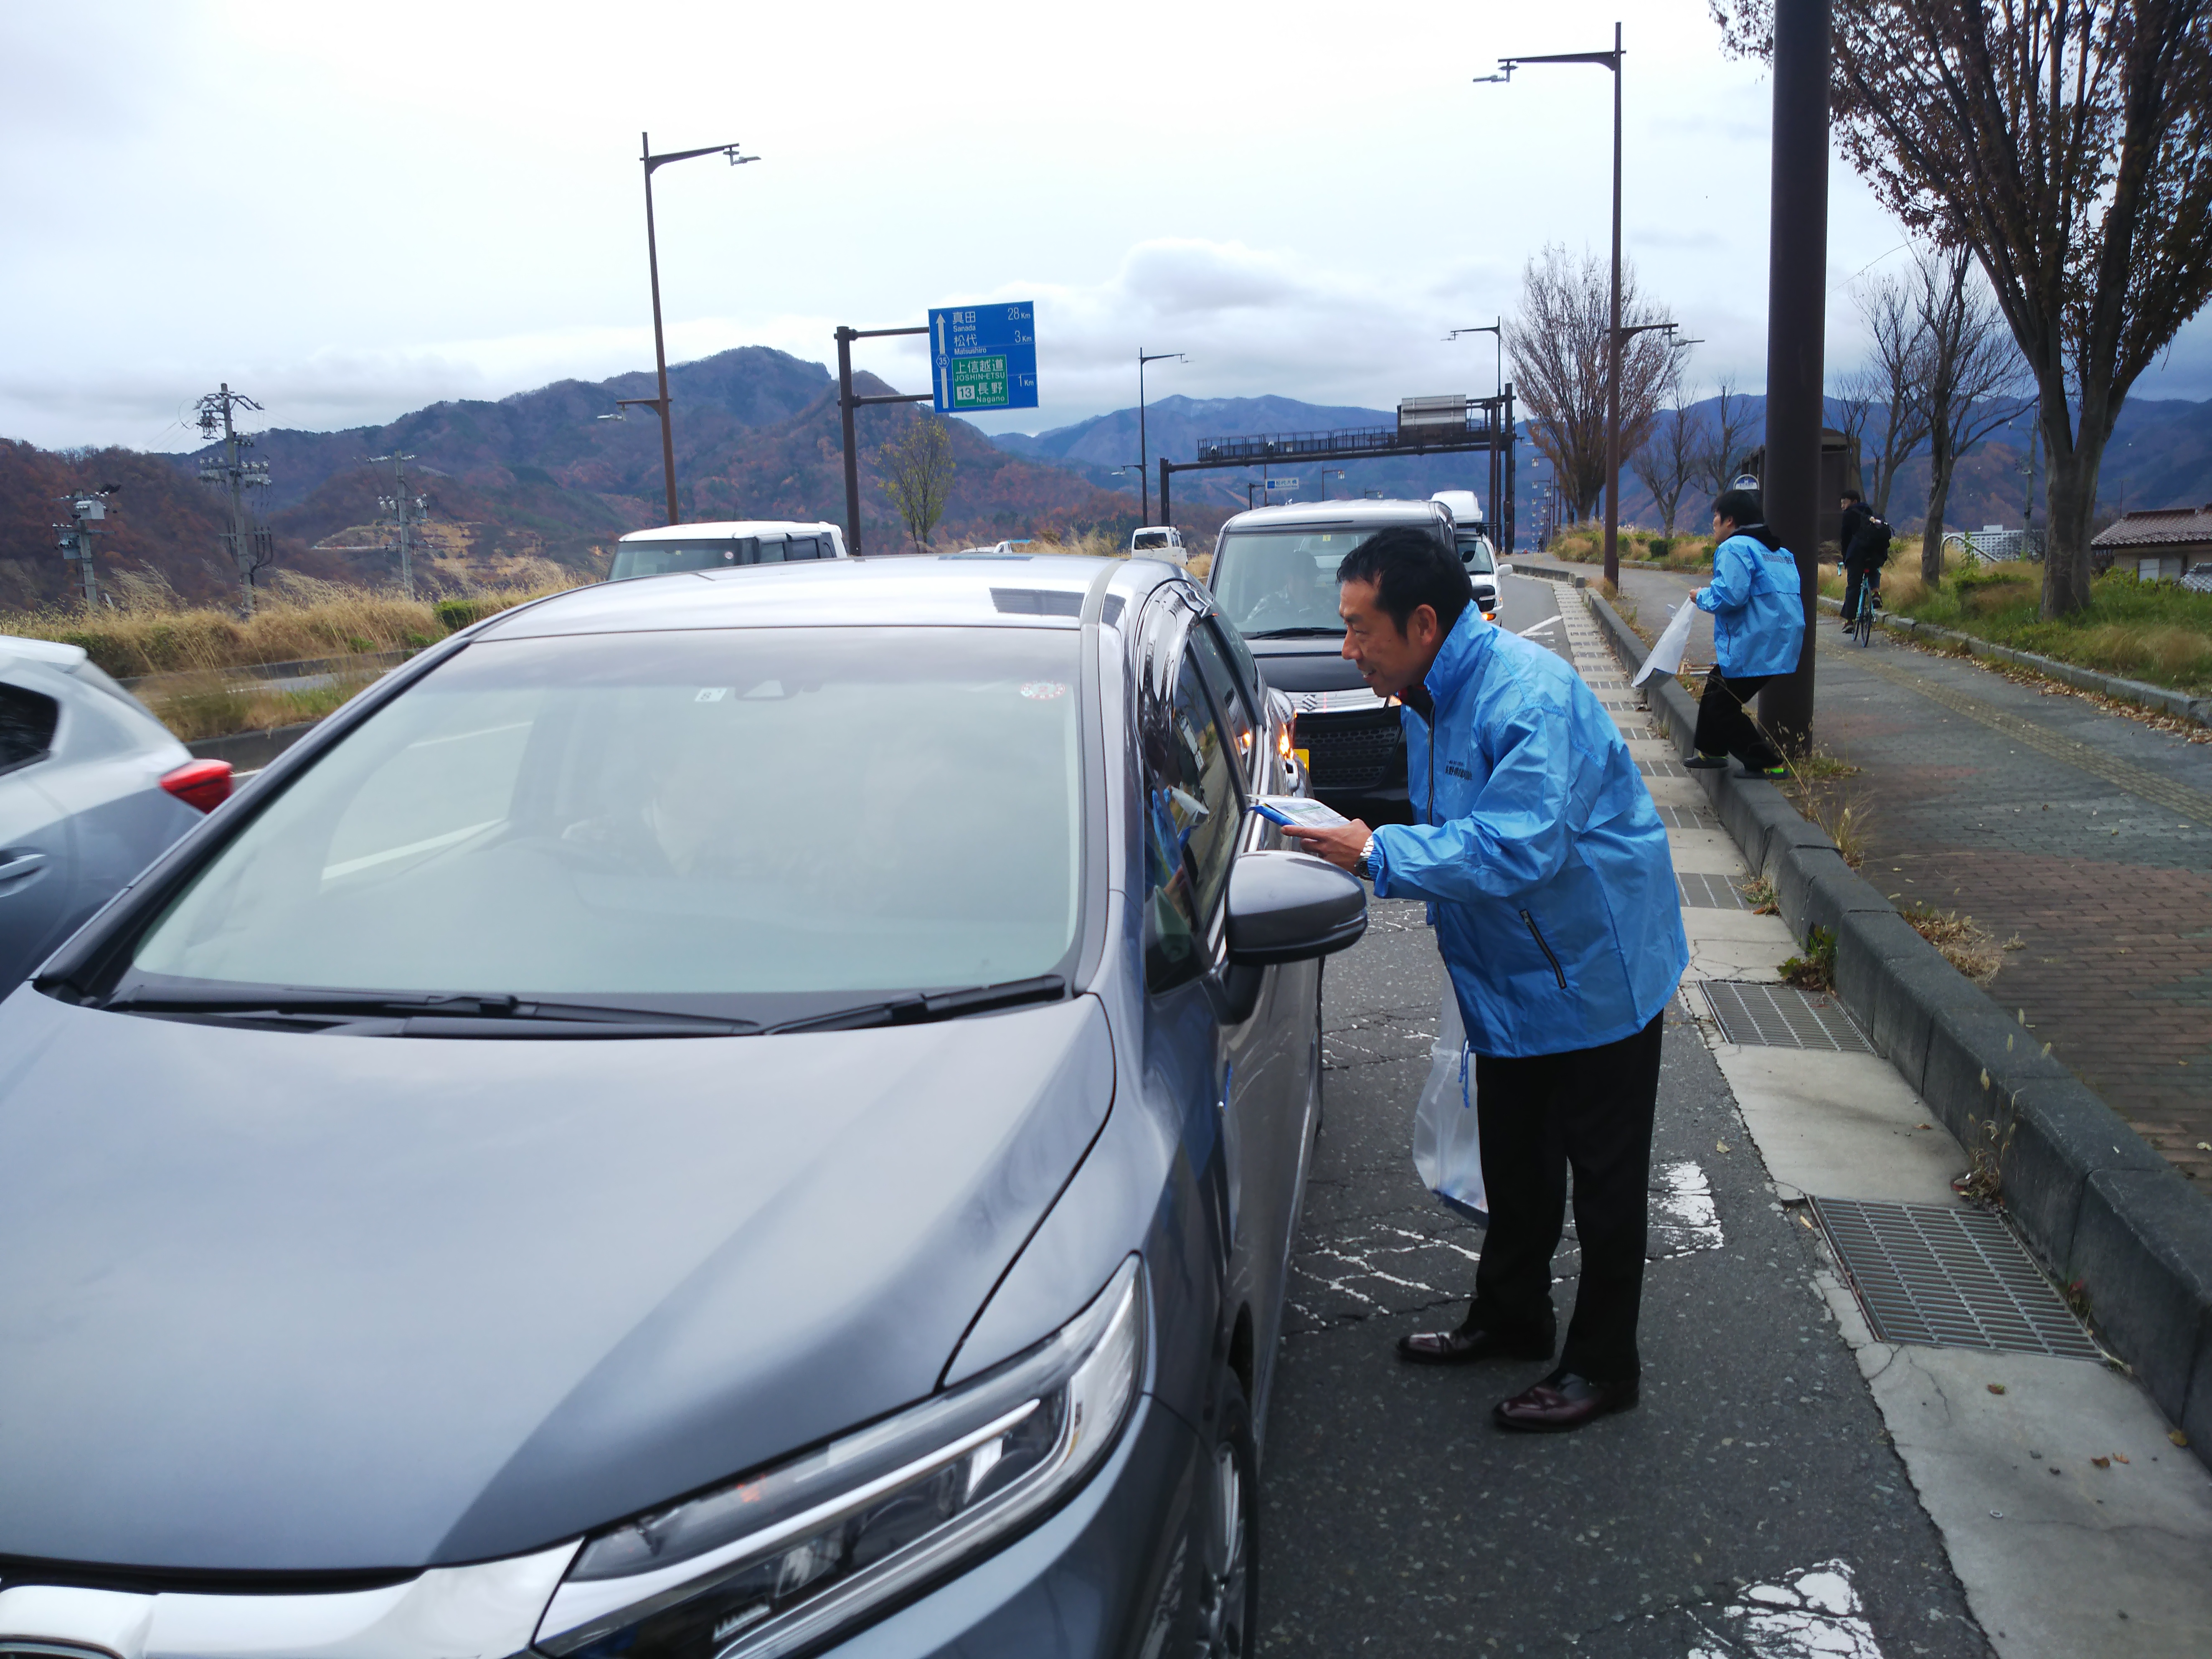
(1299, 633)
(283, 1000)
(919, 1009)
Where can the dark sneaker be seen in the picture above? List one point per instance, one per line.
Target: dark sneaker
(1706, 762)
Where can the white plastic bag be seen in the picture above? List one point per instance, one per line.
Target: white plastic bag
(1666, 657)
(1447, 1140)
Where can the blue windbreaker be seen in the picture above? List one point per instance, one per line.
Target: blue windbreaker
(1759, 611)
(1555, 904)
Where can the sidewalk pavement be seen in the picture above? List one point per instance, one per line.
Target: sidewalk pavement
(1789, 1485)
(2085, 834)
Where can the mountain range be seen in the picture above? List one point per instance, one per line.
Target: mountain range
(547, 474)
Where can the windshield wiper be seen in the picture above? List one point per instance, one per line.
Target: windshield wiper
(919, 1010)
(1299, 633)
(438, 1014)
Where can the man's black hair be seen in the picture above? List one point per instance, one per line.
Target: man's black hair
(1410, 567)
(1740, 507)
(1853, 495)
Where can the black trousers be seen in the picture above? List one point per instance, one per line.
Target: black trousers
(1589, 1109)
(1725, 726)
(1855, 573)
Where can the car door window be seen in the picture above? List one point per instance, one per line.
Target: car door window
(1193, 815)
(771, 550)
(1231, 691)
(28, 720)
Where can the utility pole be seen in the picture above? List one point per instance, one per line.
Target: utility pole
(249, 544)
(1144, 453)
(404, 509)
(87, 508)
(1796, 308)
(1497, 331)
(660, 404)
(848, 406)
(1612, 60)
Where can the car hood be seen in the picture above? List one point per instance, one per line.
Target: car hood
(1305, 665)
(272, 1301)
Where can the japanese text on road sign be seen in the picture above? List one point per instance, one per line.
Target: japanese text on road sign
(983, 357)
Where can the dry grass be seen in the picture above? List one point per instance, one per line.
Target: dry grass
(1759, 894)
(1583, 544)
(1964, 946)
(1815, 789)
(1816, 970)
(151, 631)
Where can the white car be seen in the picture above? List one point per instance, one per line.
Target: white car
(93, 788)
(724, 542)
(1158, 541)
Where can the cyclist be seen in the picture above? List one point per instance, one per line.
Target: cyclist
(1865, 544)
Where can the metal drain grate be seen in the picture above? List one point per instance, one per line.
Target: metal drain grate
(1685, 817)
(1621, 707)
(1755, 1014)
(1949, 1279)
(1709, 892)
(1663, 768)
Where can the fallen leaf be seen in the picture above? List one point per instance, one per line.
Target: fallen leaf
(2102, 1462)
(2119, 1457)
(2177, 1437)
(1997, 1387)
(1930, 1126)
(2204, 1145)
(1720, 1145)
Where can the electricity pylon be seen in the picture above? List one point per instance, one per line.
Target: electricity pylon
(249, 544)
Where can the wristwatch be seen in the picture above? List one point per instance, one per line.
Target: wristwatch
(1365, 866)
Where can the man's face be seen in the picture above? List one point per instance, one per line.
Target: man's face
(1388, 659)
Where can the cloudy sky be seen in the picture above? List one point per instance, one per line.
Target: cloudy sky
(351, 213)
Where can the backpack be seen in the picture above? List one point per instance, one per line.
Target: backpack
(1872, 542)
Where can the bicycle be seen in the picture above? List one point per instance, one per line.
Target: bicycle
(1863, 624)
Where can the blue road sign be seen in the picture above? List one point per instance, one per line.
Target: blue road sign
(983, 357)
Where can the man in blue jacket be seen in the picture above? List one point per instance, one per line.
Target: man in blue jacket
(1758, 627)
(1556, 912)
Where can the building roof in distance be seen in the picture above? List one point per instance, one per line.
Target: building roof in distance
(2160, 526)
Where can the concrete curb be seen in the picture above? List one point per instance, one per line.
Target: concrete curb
(2104, 1211)
(1549, 574)
(2179, 703)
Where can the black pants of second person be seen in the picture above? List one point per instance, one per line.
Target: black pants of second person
(1724, 723)
(1589, 1109)
(1855, 575)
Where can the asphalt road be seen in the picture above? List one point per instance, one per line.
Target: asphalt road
(1751, 1504)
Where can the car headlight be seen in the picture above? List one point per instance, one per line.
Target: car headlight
(763, 1565)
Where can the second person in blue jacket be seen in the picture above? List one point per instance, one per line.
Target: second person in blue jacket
(1557, 915)
(1759, 627)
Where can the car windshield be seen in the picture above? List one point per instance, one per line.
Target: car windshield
(1475, 554)
(1282, 581)
(658, 558)
(735, 821)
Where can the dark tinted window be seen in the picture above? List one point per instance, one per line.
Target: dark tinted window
(28, 720)
(1192, 813)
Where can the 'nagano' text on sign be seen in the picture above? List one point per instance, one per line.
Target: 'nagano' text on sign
(983, 357)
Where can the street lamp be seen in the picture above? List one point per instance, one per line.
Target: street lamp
(1144, 450)
(1610, 60)
(660, 404)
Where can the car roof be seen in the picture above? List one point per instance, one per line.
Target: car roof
(1300, 514)
(53, 652)
(949, 590)
(719, 528)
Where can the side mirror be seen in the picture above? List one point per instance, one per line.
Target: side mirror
(1283, 908)
(1292, 907)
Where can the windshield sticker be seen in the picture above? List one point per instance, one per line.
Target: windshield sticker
(711, 694)
(1044, 691)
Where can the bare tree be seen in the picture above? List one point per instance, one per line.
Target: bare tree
(2062, 143)
(1668, 460)
(1892, 382)
(1557, 341)
(918, 474)
(1723, 452)
(1972, 365)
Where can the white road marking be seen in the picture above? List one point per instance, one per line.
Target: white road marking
(1538, 628)
(1812, 1614)
(1683, 1218)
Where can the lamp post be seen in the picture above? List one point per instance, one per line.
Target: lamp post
(660, 404)
(1497, 331)
(1143, 451)
(1610, 60)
